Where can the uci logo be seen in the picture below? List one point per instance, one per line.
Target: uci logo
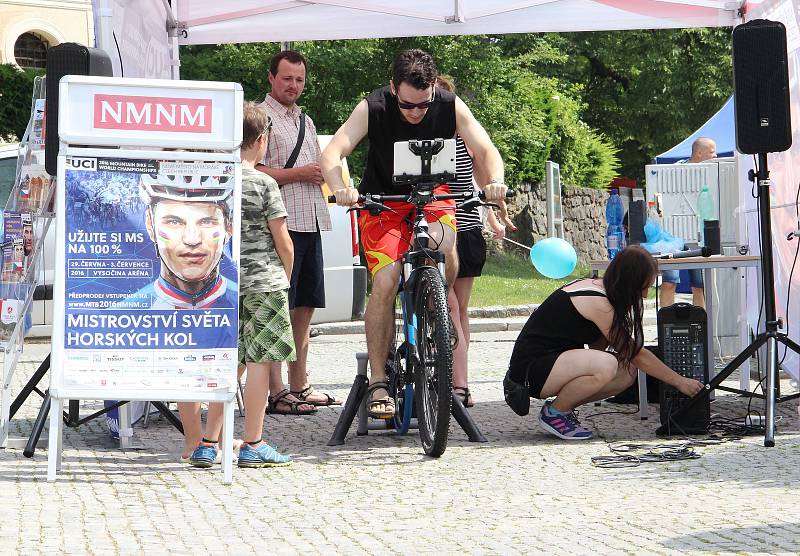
(82, 163)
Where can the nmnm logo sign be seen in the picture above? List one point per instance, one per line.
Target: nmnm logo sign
(141, 113)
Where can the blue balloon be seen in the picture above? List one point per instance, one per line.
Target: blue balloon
(553, 257)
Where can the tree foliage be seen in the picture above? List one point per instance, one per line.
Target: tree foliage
(600, 104)
(525, 114)
(646, 90)
(16, 90)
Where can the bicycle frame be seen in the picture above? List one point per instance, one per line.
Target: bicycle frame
(412, 260)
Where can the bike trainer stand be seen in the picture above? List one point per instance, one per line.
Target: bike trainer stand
(357, 404)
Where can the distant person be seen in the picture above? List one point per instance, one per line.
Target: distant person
(703, 149)
(292, 160)
(265, 333)
(471, 249)
(550, 359)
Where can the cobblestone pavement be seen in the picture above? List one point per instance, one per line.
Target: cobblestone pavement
(521, 492)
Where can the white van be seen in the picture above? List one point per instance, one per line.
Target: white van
(345, 276)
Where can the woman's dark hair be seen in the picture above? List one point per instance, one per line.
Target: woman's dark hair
(290, 56)
(415, 67)
(632, 270)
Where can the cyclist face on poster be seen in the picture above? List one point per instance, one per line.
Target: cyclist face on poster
(190, 237)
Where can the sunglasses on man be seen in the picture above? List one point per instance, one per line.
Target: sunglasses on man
(413, 105)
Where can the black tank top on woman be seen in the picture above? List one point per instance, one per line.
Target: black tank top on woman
(554, 327)
(386, 126)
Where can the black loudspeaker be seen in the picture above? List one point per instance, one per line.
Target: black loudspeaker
(637, 216)
(711, 238)
(761, 82)
(67, 59)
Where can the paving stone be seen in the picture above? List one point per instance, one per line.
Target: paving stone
(380, 494)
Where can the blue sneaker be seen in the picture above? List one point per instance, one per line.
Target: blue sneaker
(262, 456)
(204, 455)
(563, 425)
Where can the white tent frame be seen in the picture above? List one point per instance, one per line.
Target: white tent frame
(213, 22)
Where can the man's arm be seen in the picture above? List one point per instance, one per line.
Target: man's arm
(343, 143)
(283, 243)
(489, 169)
(310, 173)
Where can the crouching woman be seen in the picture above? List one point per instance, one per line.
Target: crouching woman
(550, 359)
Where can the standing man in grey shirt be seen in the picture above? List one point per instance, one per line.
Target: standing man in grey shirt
(292, 159)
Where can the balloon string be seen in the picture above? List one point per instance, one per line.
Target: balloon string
(515, 243)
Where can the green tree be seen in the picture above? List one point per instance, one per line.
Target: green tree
(645, 90)
(16, 90)
(522, 111)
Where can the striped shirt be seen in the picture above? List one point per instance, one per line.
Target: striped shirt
(465, 220)
(305, 203)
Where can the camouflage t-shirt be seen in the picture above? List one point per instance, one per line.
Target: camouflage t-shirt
(261, 268)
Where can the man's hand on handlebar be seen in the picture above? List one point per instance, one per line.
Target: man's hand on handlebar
(495, 192)
(346, 197)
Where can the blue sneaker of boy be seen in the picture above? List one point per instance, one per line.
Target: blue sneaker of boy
(563, 425)
(261, 456)
(204, 455)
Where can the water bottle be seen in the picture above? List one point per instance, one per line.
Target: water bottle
(705, 211)
(615, 234)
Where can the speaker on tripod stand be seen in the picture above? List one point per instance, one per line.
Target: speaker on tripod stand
(763, 125)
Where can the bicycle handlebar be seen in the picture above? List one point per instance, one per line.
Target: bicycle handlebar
(378, 198)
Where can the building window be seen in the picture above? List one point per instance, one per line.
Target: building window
(30, 51)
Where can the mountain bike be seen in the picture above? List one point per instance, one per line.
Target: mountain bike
(419, 368)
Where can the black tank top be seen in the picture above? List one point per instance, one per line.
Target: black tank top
(386, 126)
(555, 326)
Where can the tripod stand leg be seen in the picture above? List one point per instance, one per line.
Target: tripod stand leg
(168, 415)
(772, 379)
(54, 445)
(464, 420)
(30, 386)
(38, 425)
(351, 406)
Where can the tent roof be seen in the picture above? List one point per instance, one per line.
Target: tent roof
(719, 127)
(217, 21)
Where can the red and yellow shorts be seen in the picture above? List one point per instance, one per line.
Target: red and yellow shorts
(387, 236)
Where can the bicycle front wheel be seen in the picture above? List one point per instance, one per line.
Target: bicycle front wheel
(433, 376)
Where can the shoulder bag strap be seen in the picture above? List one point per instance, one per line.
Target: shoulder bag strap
(300, 136)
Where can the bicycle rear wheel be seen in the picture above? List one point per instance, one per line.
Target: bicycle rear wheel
(433, 376)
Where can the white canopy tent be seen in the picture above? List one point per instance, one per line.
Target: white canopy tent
(146, 48)
(212, 21)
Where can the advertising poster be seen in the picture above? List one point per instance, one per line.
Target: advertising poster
(151, 288)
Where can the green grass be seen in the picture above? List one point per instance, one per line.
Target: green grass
(510, 279)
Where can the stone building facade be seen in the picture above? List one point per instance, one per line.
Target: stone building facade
(30, 27)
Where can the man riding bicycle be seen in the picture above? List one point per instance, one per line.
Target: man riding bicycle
(409, 108)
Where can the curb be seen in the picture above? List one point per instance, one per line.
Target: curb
(482, 319)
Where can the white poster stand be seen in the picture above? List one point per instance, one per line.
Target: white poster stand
(146, 289)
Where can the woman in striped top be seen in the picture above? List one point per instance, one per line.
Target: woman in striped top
(471, 247)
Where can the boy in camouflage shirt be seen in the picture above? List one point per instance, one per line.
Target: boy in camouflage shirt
(265, 332)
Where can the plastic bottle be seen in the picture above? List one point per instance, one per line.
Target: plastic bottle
(615, 234)
(705, 211)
